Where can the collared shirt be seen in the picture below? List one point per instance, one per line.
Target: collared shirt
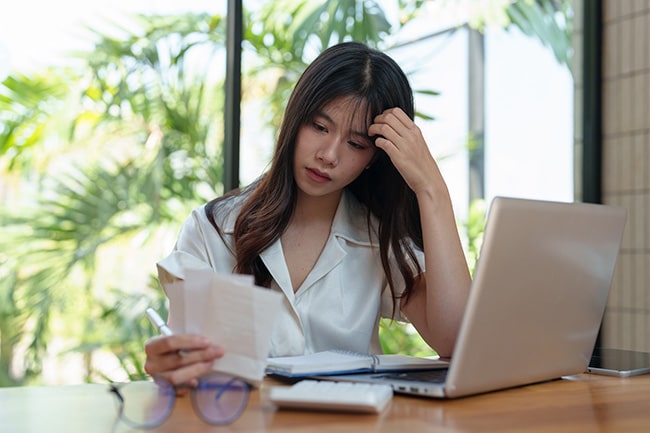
(339, 304)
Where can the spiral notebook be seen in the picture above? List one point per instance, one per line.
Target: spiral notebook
(336, 362)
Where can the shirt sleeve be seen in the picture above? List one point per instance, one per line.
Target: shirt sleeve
(198, 246)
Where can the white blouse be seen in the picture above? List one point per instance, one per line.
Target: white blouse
(339, 304)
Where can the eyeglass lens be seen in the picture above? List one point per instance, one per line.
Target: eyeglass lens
(147, 404)
(219, 398)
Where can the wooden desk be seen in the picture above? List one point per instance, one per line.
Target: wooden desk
(585, 403)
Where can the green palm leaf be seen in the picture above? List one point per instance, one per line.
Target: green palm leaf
(30, 107)
(548, 21)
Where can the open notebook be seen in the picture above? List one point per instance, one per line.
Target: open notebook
(334, 362)
(536, 301)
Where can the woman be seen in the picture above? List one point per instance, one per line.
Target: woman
(351, 213)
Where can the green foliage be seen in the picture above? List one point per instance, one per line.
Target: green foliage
(547, 20)
(10, 319)
(286, 35)
(54, 248)
(398, 337)
(145, 150)
(474, 227)
(30, 110)
(124, 331)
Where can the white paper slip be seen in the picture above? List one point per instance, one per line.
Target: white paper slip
(229, 310)
(333, 396)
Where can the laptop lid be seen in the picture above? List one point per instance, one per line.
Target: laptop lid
(536, 302)
(538, 295)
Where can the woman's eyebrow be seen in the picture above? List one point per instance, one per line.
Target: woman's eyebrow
(328, 118)
(324, 115)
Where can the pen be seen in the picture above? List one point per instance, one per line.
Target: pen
(158, 322)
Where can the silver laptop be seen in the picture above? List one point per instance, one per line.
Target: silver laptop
(536, 302)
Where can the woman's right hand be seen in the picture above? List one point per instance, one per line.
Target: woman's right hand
(180, 358)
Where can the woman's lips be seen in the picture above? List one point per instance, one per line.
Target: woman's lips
(317, 176)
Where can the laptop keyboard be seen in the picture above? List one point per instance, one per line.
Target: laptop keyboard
(434, 376)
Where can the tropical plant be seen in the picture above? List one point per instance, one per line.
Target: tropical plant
(286, 35)
(149, 147)
(550, 21)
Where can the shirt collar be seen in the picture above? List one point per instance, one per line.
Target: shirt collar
(350, 221)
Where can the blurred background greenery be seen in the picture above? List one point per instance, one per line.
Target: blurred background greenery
(104, 161)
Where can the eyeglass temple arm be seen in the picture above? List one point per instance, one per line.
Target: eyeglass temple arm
(115, 390)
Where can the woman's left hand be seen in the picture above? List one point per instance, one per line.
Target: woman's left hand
(404, 143)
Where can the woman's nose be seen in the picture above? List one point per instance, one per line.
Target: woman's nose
(328, 153)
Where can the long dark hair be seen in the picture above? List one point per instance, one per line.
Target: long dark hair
(372, 78)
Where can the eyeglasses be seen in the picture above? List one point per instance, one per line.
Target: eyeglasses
(218, 399)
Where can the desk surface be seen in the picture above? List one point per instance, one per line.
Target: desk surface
(583, 403)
